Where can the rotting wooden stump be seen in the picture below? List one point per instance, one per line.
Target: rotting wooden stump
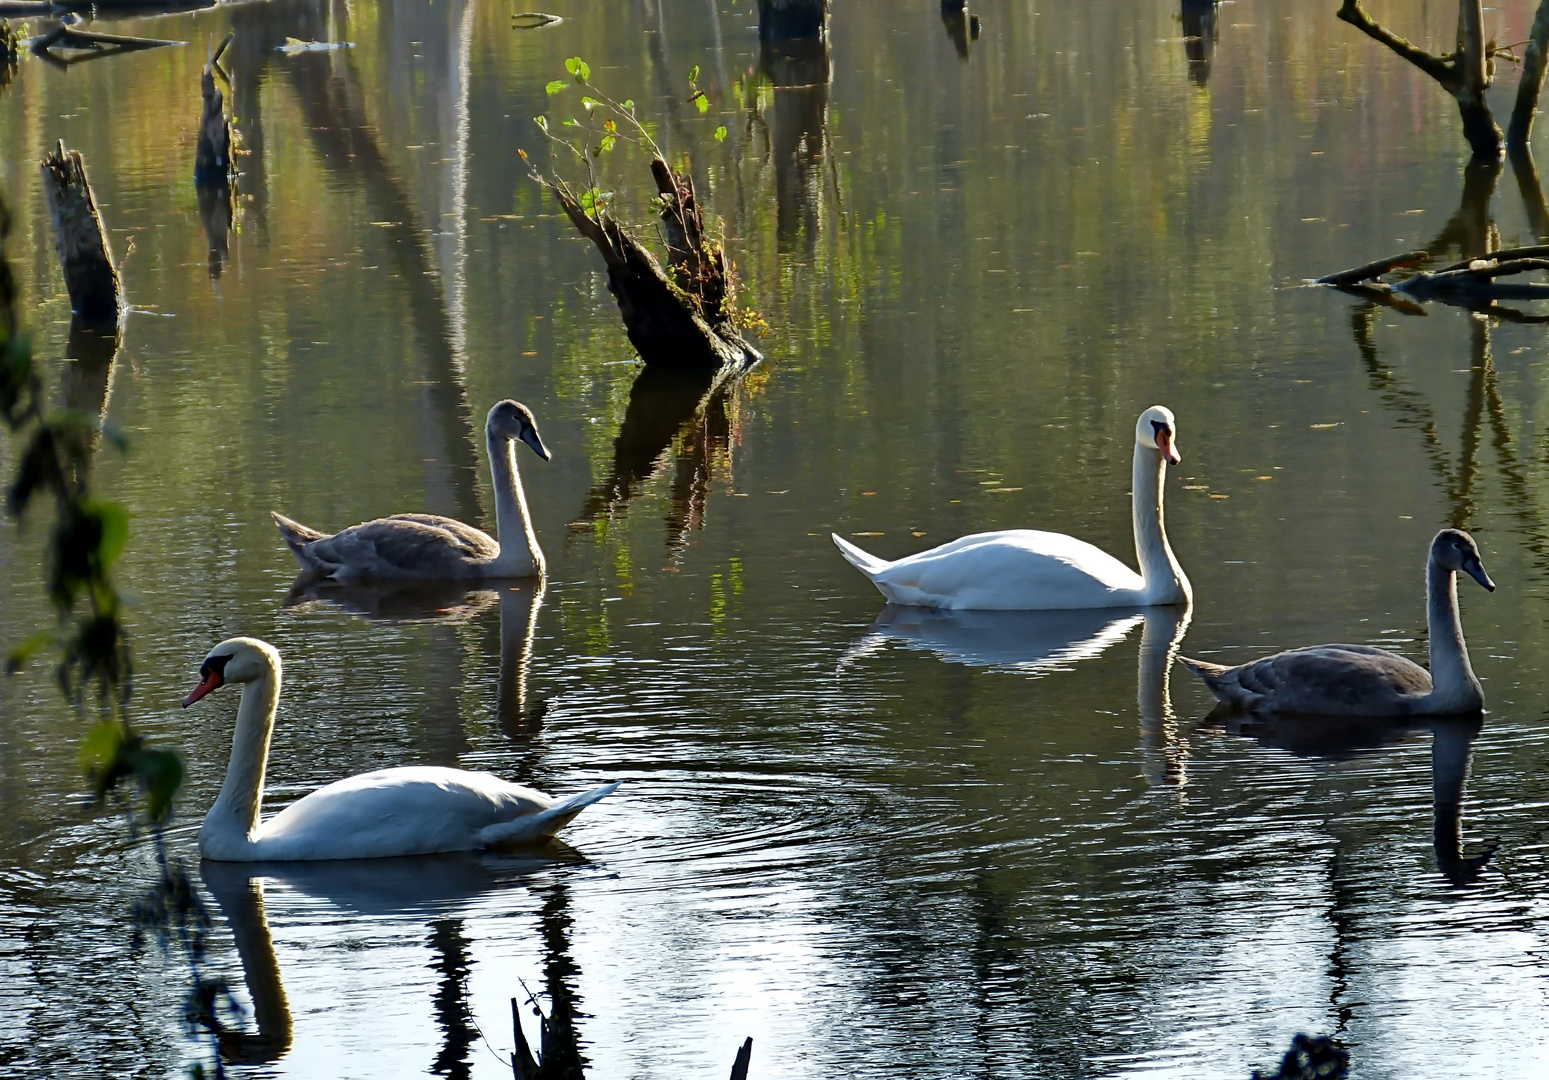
(96, 293)
(779, 19)
(212, 155)
(682, 322)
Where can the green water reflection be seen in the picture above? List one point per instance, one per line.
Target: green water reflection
(874, 851)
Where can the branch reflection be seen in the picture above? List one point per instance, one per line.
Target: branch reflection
(366, 890)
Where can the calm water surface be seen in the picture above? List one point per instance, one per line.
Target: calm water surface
(902, 846)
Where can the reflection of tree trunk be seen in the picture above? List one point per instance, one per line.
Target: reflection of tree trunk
(800, 73)
(458, 1033)
(1452, 749)
(1159, 643)
(337, 121)
(661, 402)
(215, 212)
(1200, 34)
(779, 19)
(241, 900)
(705, 445)
(1526, 172)
(961, 26)
(86, 379)
(560, 1056)
(1470, 231)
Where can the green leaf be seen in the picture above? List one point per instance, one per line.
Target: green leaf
(555, 87)
(578, 67)
(702, 103)
(589, 103)
(29, 648)
(160, 773)
(628, 105)
(570, 121)
(606, 144)
(113, 521)
(542, 122)
(693, 76)
(720, 133)
(99, 750)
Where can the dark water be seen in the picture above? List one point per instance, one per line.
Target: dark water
(925, 848)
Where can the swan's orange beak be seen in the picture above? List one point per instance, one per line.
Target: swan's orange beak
(1164, 443)
(212, 679)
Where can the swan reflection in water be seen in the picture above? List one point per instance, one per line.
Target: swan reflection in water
(434, 888)
(1039, 643)
(1452, 751)
(450, 603)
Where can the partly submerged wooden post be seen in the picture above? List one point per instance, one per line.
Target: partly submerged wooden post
(212, 156)
(96, 294)
(780, 19)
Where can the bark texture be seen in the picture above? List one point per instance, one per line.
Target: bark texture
(779, 19)
(96, 294)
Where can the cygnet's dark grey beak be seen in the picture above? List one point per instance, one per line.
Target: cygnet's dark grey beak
(530, 437)
(1475, 570)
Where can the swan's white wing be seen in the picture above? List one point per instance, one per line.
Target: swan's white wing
(1018, 569)
(410, 811)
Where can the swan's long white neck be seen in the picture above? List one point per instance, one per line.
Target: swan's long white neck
(1454, 687)
(235, 815)
(520, 555)
(1165, 582)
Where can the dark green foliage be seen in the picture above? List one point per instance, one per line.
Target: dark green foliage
(88, 536)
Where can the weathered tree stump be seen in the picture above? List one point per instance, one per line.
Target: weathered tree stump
(212, 155)
(10, 46)
(96, 294)
(739, 1067)
(681, 323)
(779, 19)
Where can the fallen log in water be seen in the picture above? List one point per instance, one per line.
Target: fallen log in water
(1476, 281)
(96, 293)
(91, 44)
(1376, 269)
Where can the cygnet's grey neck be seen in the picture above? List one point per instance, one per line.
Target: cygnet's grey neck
(1164, 578)
(1454, 687)
(520, 555)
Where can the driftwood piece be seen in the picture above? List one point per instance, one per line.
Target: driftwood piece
(85, 256)
(86, 45)
(779, 19)
(679, 324)
(739, 1068)
(1370, 270)
(1475, 281)
(1537, 251)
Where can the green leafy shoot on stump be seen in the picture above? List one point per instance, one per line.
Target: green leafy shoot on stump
(601, 125)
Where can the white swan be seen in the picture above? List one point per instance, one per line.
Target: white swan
(1026, 570)
(429, 546)
(409, 811)
(1359, 680)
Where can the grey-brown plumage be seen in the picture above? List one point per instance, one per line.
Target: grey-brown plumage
(1359, 680)
(408, 546)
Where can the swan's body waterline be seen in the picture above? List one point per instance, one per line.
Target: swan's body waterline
(1360, 680)
(1030, 570)
(418, 810)
(408, 546)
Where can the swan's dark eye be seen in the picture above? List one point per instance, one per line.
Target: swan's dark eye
(216, 664)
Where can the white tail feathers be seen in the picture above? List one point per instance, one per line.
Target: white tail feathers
(537, 826)
(863, 561)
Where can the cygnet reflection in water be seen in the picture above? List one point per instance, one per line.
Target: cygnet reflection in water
(434, 887)
(450, 602)
(1338, 738)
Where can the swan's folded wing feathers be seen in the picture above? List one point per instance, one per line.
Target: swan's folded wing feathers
(1332, 678)
(401, 811)
(406, 544)
(982, 570)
